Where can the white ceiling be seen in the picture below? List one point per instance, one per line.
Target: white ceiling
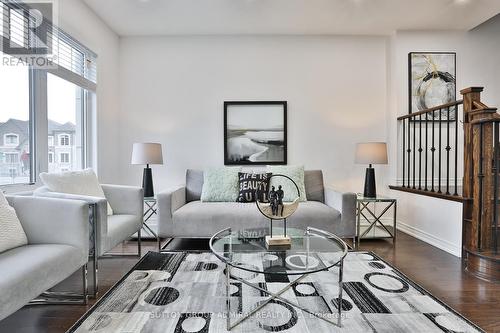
(367, 17)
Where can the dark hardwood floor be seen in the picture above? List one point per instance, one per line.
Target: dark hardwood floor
(437, 271)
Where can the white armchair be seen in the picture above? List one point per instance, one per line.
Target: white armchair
(110, 230)
(58, 245)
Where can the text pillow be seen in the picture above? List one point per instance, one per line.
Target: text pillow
(294, 172)
(253, 186)
(11, 231)
(82, 182)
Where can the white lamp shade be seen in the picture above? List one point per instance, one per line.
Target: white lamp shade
(147, 153)
(371, 153)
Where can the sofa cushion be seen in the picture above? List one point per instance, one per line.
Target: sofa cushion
(194, 184)
(203, 219)
(29, 270)
(220, 184)
(296, 173)
(313, 181)
(83, 182)
(253, 186)
(11, 231)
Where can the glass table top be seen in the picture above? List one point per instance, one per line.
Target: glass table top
(311, 250)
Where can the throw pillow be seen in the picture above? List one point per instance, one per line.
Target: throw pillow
(11, 231)
(294, 172)
(82, 182)
(253, 186)
(220, 185)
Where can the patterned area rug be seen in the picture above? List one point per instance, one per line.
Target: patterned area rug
(185, 292)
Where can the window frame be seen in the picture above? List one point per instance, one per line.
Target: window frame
(62, 136)
(65, 153)
(8, 144)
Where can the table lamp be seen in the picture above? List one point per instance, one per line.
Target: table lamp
(147, 153)
(371, 153)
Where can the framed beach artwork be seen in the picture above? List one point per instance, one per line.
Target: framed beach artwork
(255, 132)
(432, 82)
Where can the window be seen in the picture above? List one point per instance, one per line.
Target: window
(11, 158)
(11, 139)
(14, 124)
(66, 114)
(63, 139)
(64, 158)
(63, 98)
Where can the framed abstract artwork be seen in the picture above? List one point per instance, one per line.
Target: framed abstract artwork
(432, 82)
(255, 132)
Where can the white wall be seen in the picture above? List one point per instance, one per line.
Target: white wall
(438, 221)
(84, 25)
(172, 91)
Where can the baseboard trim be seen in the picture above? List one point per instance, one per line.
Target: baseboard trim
(430, 239)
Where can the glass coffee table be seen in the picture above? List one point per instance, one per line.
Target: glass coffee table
(312, 250)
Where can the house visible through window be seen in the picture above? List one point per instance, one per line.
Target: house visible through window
(51, 157)
(51, 141)
(64, 158)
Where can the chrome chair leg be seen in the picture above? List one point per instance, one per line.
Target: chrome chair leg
(65, 297)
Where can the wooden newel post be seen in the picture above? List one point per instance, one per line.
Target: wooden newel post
(469, 96)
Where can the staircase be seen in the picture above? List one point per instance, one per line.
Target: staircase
(431, 141)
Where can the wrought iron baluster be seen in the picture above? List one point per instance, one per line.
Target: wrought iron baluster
(426, 148)
(439, 153)
(420, 153)
(456, 150)
(404, 145)
(448, 148)
(409, 150)
(414, 148)
(433, 149)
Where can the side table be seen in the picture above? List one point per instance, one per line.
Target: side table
(150, 210)
(375, 228)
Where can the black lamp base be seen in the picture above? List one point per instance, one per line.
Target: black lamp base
(370, 188)
(147, 183)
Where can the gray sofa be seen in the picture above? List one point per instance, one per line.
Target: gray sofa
(182, 214)
(58, 245)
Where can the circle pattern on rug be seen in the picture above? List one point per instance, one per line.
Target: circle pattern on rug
(274, 314)
(448, 323)
(386, 282)
(305, 289)
(270, 257)
(210, 266)
(140, 276)
(193, 324)
(298, 261)
(376, 264)
(346, 305)
(162, 296)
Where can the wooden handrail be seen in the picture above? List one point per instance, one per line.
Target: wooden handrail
(435, 108)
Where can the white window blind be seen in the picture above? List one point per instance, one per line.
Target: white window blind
(66, 51)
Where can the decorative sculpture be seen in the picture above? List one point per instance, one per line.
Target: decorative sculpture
(276, 209)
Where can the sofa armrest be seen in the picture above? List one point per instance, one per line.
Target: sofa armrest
(168, 202)
(54, 221)
(345, 203)
(125, 199)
